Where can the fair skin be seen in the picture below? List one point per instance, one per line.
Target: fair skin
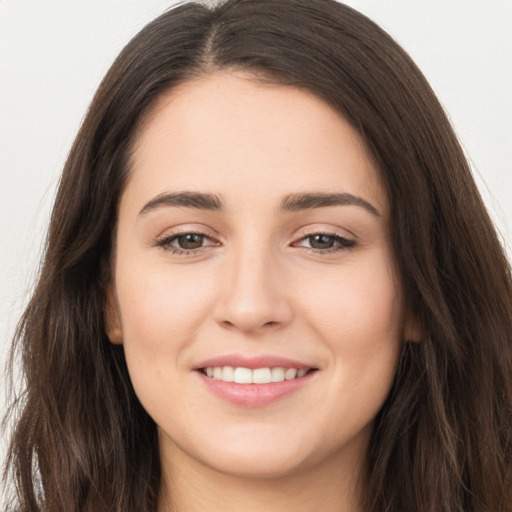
(247, 275)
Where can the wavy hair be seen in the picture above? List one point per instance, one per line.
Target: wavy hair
(443, 440)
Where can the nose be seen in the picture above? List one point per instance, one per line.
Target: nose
(253, 295)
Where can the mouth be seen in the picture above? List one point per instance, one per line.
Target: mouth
(254, 382)
(263, 375)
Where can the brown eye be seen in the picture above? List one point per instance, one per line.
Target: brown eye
(190, 241)
(325, 243)
(321, 241)
(186, 244)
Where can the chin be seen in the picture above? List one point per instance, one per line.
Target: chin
(258, 466)
(261, 458)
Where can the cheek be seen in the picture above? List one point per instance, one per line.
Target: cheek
(358, 315)
(361, 303)
(153, 299)
(160, 312)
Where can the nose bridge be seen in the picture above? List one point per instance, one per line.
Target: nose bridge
(252, 293)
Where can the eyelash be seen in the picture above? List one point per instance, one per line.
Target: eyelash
(343, 244)
(165, 244)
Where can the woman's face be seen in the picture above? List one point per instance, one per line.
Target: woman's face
(252, 242)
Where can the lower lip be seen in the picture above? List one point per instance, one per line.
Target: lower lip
(254, 395)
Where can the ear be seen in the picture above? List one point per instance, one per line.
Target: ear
(413, 331)
(112, 318)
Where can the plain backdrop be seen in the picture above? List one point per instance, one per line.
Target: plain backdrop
(53, 55)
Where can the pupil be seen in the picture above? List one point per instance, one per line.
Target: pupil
(321, 241)
(190, 241)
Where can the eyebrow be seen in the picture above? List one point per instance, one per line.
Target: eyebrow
(291, 203)
(194, 200)
(297, 202)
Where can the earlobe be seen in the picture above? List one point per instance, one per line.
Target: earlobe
(112, 318)
(413, 331)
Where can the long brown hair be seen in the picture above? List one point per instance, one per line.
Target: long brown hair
(443, 439)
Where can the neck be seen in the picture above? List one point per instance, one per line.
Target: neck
(188, 486)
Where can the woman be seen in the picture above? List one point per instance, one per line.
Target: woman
(270, 284)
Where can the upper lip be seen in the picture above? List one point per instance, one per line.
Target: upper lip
(262, 361)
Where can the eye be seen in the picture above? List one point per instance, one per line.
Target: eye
(185, 243)
(190, 241)
(325, 242)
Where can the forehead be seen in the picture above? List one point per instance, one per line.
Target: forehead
(230, 134)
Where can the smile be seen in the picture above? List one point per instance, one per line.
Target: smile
(266, 375)
(255, 387)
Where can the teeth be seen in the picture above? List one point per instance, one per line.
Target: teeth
(242, 375)
(277, 374)
(261, 376)
(228, 374)
(290, 374)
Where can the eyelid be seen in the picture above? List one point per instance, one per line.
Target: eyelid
(344, 242)
(341, 241)
(164, 240)
(325, 229)
(183, 229)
